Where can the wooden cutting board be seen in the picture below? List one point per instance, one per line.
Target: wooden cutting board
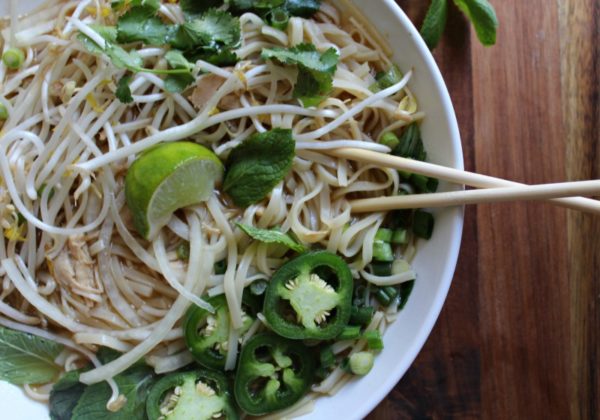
(519, 336)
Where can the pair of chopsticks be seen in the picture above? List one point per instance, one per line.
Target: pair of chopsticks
(565, 194)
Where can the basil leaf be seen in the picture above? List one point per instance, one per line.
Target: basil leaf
(123, 92)
(26, 358)
(194, 8)
(315, 70)
(272, 236)
(134, 384)
(435, 23)
(141, 24)
(64, 396)
(257, 165)
(483, 17)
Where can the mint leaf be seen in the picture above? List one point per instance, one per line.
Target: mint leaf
(315, 70)
(141, 24)
(272, 236)
(27, 359)
(194, 8)
(257, 165)
(134, 384)
(123, 92)
(483, 17)
(435, 23)
(64, 396)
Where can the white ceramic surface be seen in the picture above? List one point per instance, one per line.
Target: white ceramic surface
(435, 261)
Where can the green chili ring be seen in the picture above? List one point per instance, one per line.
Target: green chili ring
(273, 373)
(301, 304)
(206, 334)
(197, 394)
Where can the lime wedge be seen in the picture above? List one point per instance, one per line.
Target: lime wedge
(168, 177)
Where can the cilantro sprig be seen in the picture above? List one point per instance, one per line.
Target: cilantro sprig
(315, 70)
(479, 12)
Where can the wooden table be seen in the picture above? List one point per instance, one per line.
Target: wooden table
(519, 336)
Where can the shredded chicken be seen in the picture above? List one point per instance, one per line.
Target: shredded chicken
(74, 268)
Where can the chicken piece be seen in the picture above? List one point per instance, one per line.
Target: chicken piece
(74, 268)
(205, 89)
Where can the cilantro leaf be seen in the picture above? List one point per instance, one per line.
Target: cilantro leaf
(257, 165)
(483, 17)
(134, 384)
(435, 22)
(123, 92)
(272, 236)
(217, 56)
(64, 396)
(120, 58)
(176, 83)
(141, 24)
(214, 29)
(194, 8)
(27, 359)
(315, 70)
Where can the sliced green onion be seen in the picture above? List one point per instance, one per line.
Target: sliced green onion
(374, 341)
(13, 58)
(424, 184)
(400, 237)
(423, 224)
(405, 175)
(382, 251)
(386, 295)
(3, 112)
(350, 332)
(406, 289)
(327, 357)
(361, 315)
(390, 140)
(361, 363)
(279, 18)
(183, 251)
(381, 268)
(384, 235)
(220, 267)
(400, 266)
(258, 287)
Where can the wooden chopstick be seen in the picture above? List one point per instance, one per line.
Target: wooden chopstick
(452, 175)
(492, 195)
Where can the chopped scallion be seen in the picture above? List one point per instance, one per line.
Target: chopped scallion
(327, 357)
(3, 112)
(423, 224)
(405, 291)
(13, 58)
(400, 237)
(350, 332)
(279, 18)
(220, 267)
(386, 295)
(390, 140)
(361, 363)
(374, 341)
(381, 268)
(384, 235)
(361, 315)
(382, 251)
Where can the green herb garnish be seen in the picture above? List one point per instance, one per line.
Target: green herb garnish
(123, 92)
(257, 165)
(270, 236)
(479, 12)
(315, 70)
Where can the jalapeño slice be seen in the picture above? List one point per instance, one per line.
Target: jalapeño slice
(206, 334)
(273, 373)
(198, 394)
(309, 297)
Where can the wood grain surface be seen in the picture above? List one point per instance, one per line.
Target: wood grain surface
(519, 336)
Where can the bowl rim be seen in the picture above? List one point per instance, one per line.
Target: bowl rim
(397, 371)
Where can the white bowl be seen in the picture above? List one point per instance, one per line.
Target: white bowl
(435, 261)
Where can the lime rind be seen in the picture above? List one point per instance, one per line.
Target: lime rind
(168, 177)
